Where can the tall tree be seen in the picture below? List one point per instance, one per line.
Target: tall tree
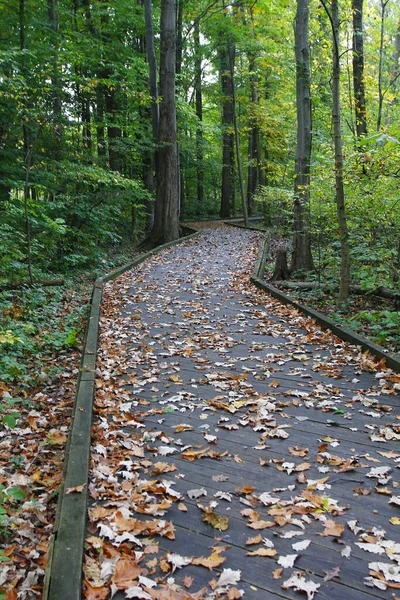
(381, 92)
(358, 68)
(237, 136)
(199, 113)
(166, 217)
(227, 128)
(344, 286)
(301, 255)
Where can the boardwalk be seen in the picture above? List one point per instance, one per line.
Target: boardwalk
(238, 450)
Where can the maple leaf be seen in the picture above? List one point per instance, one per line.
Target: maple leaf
(216, 520)
(227, 578)
(299, 583)
(210, 562)
(332, 528)
(178, 561)
(126, 572)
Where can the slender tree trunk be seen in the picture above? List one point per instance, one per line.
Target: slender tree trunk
(381, 94)
(100, 131)
(301, 255)
(254, 140)
(151, 159)
(231, 55)
(179, 38)
(340, 197)
(395, 71)
(114, 132)
(151, 57)
(199, 114)
(52, 11)
(166, 222)
(358, 69)
(227, 132)
(26, 144)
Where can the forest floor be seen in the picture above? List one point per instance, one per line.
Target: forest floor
(373, 317)
(189, 347)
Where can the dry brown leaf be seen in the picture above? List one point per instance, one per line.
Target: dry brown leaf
(182, 507)
(187, 581)
(78, 489)
(297, 451)
(126, 572)
(215, 520)
(270, 552)
(237, 459)
(303, 467)
(209, 562)
(233, 594)
(246, 489)
(261, 524)
(95, 593)
(254, 540)
(277, 574)
(332, 528)
(183, 427)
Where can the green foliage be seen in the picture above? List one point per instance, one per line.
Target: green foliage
(36, 325)
(276, 205)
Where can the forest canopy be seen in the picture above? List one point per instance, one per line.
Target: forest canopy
(80, 89)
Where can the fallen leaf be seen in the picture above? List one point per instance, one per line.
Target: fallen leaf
(270, 552)
(287, 561)
(177, 561)
(78, 489)
(332, 573)
(215, 520)
(187, 581)
(332, 528)
(299, 583)
(277, 573)
(254, 540)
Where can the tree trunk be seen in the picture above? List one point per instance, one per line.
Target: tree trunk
(340, 197)
(26, 144)
(358, 69)
(301, 255)
(254, 140)
(231, 55)
(151, 158)
(227, 135)
(199, 114)
(281, 270)
(381, 93)
(395, 71)
(166, 221)
(151, 57)
(52, 11)
(113, 130)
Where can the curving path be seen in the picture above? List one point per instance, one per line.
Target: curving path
(238, 450)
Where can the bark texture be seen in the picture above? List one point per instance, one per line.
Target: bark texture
(166, 218)
(301, 255)
(340, 197)
(358, 68)
(228, 129)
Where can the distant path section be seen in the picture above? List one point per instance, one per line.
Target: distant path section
(238, 450)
